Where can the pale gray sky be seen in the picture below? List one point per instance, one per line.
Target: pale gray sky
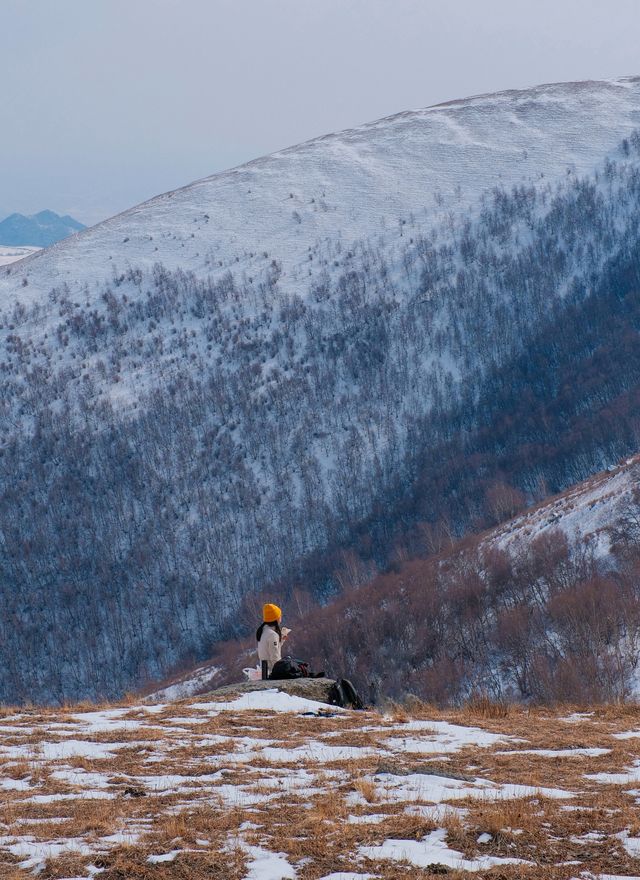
(109, 102)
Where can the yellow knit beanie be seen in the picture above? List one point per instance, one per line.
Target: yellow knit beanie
(271, 613)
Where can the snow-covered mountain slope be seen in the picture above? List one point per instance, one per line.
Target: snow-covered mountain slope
(187, 684)
(585, 513)
(212, 392)
(362, 183)
(13, 254)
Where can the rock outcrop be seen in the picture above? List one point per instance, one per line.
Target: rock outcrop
(309, 688)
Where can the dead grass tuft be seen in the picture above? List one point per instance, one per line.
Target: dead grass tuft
(500, 818)
(482, 706)
(329, 807)
(130, 863)
(456, 832)
(9, 872)
(65, 866)
(366, 788)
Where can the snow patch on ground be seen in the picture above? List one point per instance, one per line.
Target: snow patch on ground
(266, 865)
(266, 701)
(437, 789)
(559, 753)
(33, 854)
(53, 751)
(342, 875)
(433, 849)
(441, 737)
(165, 857)
(632, 774)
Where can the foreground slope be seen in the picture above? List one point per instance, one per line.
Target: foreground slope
(268, 787)
(208, 394)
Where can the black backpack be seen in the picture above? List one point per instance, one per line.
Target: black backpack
(344, 694)
(289, 668)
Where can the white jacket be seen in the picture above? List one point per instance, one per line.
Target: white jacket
(269, 646)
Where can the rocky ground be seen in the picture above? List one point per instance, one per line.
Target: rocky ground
(310, 688)
(267, 785)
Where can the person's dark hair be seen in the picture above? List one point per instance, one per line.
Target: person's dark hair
(275, 625)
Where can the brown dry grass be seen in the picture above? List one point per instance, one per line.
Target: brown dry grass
(130, 863)
(66, 865)
(314, 829)
(367, 788)
(483, 707)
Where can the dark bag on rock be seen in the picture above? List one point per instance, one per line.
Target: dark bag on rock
(289, 668)
(344, 694)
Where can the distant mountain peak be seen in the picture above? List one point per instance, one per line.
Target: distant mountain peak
(45, 216)
(37, 230)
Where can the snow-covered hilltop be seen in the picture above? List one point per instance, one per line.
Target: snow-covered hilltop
(362, 183)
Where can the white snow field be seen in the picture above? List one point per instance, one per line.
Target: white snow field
(267, 787)
(11, 254)
(358, 184)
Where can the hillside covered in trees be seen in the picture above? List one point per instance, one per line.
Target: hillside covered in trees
(178, 433)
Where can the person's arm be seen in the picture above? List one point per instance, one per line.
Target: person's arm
(274, 652)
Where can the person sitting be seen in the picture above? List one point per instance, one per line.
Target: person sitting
(270, 635)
